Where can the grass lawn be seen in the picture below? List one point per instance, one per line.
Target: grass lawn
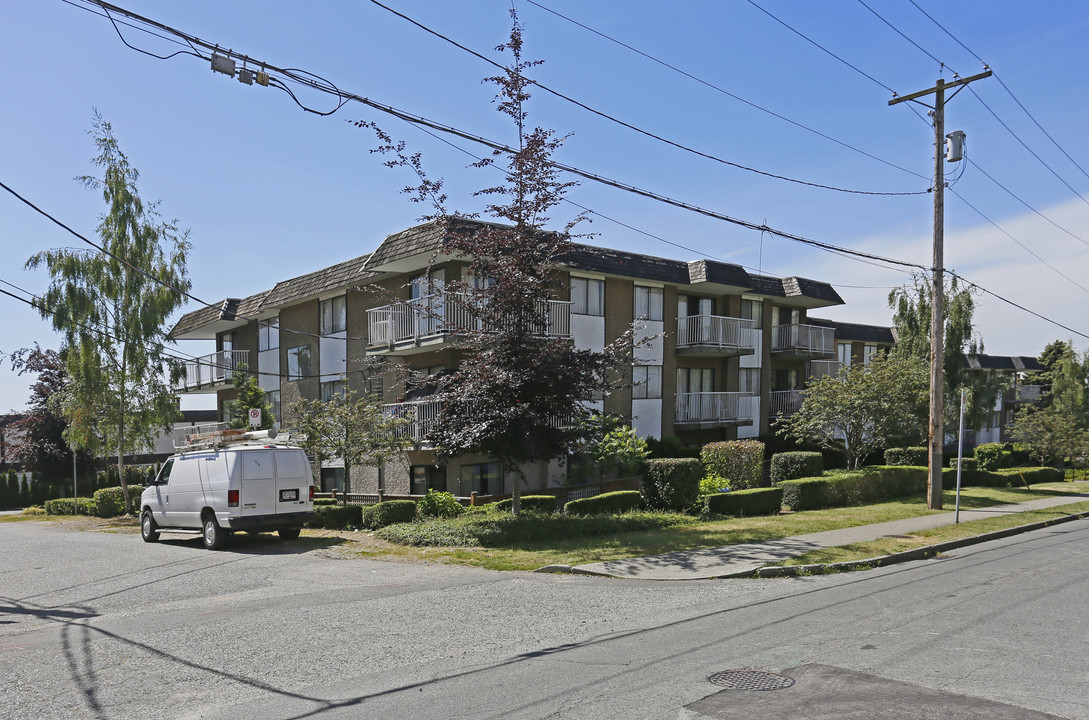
(580, 550)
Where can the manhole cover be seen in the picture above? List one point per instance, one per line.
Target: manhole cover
(751, 680)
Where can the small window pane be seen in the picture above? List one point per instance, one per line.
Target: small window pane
(333, 315)
(298, 362)
(648, 303)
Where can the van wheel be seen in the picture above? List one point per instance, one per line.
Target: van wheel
(149, 529)
(215, 537)
(289, 534)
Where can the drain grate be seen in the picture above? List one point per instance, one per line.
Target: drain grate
(751, 680)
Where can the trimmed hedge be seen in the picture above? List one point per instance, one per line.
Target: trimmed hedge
(1032, 475)
(672, 483)
(746, 503)
(798, 464)
(111, 501)
(388, 513)
(871, 484)
(906, 456)
(336, 517)
(739, 461)
(530, 503)
(318, 502)
(621, 501)
(64, 506)
(966, 464)
(989, 456)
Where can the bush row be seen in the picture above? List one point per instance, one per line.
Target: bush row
(796, 464)
(106, 503)
(745, 503)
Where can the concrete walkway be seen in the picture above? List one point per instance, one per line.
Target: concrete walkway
(732, 560)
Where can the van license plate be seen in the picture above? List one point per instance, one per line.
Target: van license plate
(289, 495)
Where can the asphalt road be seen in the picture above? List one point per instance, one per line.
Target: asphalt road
(100, 625)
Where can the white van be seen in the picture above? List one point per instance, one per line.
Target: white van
(223, 484)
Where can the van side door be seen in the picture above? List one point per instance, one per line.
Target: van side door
(158, 502)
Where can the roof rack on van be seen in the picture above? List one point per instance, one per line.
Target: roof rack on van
(216, 435)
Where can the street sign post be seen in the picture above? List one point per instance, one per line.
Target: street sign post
(255, 417)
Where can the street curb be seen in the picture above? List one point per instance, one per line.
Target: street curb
(906, 556)
(775, 571)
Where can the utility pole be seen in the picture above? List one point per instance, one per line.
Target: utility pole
(937, 290)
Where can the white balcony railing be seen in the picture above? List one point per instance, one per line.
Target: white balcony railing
(447, 313)
(785, 402)
(808, 339)
(217, 367)
(420, 415)
(713, 407)
(725, 333)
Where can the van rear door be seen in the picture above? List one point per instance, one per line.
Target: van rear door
(293, 481)
(257, 491)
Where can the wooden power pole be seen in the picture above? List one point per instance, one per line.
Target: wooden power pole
(937, 314)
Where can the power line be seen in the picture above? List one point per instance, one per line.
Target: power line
(1025, 203)
(901, 34)
(639, 130)
(725, 92)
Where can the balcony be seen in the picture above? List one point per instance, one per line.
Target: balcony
(1023, 394)
(419, 414)
(210, 373)
(715, 336)
(713, 409)
(422, 323)
(785, 402)
(803, 341)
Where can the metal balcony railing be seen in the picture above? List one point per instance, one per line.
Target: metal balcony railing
(420, 414)
(816, 369)
(446, 313)
(207, 370)
(785, 402)
(713, 407)
(806, 339)
(1024, 394)
(716, 331)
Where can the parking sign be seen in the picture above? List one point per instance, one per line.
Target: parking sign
(255, 417)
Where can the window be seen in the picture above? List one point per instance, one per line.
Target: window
(330, 390)
(481, 478)
(428, 477)
(753, 310)
(868, 353)
(268, 334)
(226, 342)
(273, 399)
(332, 479)
(374, 387)
(333, 315)
(646, 381)
(749, 380)
(298, 362)
(844, 350)
(587, 296)
(695, 380)
(689, 305)
(785, 316)
(648, 303)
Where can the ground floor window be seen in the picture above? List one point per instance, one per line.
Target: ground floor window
(332, 479)
(481, 478)
(428, 477)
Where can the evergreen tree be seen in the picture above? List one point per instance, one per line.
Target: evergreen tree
(250, 395)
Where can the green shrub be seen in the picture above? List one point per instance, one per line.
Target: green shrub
(318, 502)
(712, 485)
(792, 465)
(336, 517)
(670, 447)
(913, 456)
(740, 461)
(530, 503)
(613, 503)
(745, 503)
(1020, 454)
(437, 504)
(989, 456)
(871, 484)
(388, 513)
(64, 506)
(965, 463)
(671, 483)
(111, 502)
(1032, 475)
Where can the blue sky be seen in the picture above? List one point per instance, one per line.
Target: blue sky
(269, 191)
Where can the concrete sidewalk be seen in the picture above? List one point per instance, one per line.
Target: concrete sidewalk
(733, 560)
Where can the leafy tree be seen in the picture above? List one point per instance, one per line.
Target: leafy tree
(1068, 395)
(911, 306)
(250, 395)
(111, 307)
(351, 428)
(44, 450)
(1050, 358)
(864, 407)
(515, 394)
(1051, 435)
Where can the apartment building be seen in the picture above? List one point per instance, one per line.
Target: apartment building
(1016, 396)
(725, 351)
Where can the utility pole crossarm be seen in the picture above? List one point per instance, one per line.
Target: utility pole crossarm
(931, 91)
